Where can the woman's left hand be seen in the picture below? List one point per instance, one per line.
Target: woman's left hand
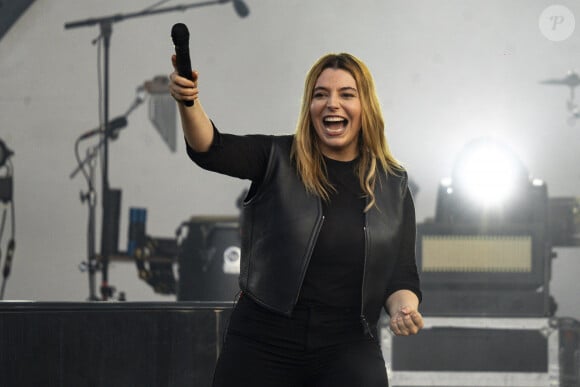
(406, 321)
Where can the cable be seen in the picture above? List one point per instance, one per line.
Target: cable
(3, 222)
(81, 164)
(155, 5)
(13, 225)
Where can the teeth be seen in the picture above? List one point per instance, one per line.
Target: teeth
(333, 119)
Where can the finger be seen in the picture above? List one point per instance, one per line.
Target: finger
(394, 328)
(413, 323)
(417, 319)
(184, 96)
(180, 88)
(180, 81)
(399, 327)
(181, 85)
(411, 328)
(183, 93)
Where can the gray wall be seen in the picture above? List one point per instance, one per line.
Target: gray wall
(447, 71)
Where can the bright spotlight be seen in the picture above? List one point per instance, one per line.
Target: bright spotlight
(489, 183)
(488, 173)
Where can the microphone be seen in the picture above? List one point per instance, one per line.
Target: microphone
(111, 130)
(180, 36)
(241, 8)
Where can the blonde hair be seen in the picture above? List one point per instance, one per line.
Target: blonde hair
(374, 151)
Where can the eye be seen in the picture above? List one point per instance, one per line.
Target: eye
(318, 95)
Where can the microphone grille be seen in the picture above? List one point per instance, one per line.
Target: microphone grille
(180, 34)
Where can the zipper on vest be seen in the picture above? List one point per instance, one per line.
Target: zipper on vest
(309, 254)
(363, 319)
(366, 326)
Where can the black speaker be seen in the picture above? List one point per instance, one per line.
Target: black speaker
(110, 344)
(209, 260)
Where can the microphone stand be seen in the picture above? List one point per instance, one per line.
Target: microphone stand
(90, 198)
(91, 266)
(106, 25)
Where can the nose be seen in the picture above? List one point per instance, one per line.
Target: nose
(332, 101)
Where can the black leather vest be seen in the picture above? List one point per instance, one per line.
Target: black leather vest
(280, 226)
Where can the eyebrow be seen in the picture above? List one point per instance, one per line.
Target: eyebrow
(345, 88)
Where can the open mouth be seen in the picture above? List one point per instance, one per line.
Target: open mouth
(334, 123)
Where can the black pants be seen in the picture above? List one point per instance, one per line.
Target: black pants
(317, 347)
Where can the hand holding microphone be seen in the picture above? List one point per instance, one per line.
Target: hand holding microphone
(196, 125)
(180, 89)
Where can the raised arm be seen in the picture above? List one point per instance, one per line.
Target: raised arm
(197, 127)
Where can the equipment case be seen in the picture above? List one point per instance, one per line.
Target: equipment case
(473, 352)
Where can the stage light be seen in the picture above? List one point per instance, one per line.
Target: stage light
(162, 109)
(488, 173)
(487, 251)
(489, 184)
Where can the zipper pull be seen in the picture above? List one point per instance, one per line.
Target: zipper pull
(366, 327)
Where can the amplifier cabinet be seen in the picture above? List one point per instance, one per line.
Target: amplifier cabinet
(469, 352)
(209, 260)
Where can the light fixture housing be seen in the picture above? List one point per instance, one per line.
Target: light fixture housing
(490, 184)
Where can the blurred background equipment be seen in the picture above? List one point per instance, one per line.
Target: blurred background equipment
(209, 259)
(162, 110)
(571, 80)
(109, 224)
(155, 257)
(5, 181)
(485, 352)
(110, 196)
(206, 254)
(487, 252)
(156, 262)
(565, 221)
(7, 202)
(485, 264)
(162, 113)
